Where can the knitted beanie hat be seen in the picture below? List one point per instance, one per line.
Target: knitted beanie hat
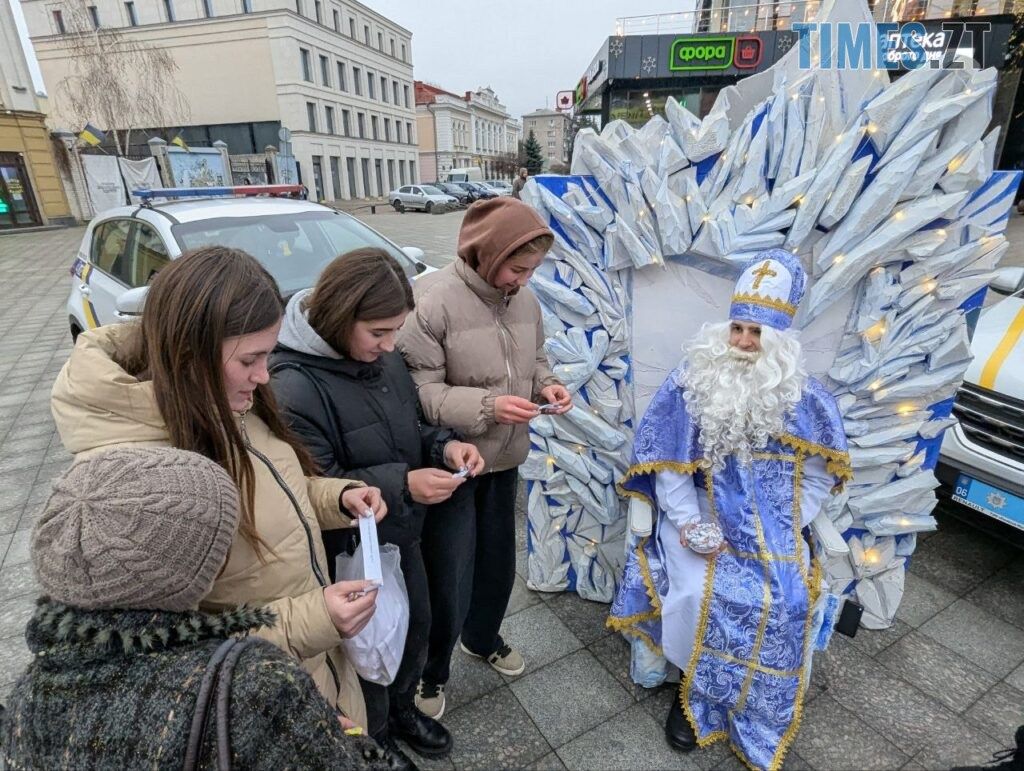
(493, 229)
(136, 528)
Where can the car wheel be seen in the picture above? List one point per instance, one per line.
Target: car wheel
(398, 206)
(75, 332)
(428, 207)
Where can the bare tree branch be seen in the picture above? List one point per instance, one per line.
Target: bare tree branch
(117, 81)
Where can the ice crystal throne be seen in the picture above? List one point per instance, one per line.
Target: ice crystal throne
(885, 190)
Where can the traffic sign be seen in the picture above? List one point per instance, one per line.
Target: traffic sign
(564, 100)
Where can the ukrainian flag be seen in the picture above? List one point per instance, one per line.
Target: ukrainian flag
(180, 143)
(92, 135)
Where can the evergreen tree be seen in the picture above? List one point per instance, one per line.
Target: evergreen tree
(534, 157)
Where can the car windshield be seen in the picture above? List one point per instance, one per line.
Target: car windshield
(431, 190)
(293, 247)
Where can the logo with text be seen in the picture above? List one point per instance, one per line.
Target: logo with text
(891, 46)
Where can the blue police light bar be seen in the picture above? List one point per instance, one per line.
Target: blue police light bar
(292, 191)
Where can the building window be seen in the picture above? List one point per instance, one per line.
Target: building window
(373, 127)
(406, 90)
(383, 89)
(380, 41)
(352, 28)
(366, 34)
(133, 17)
(318, 10)
(329, 119)
(369, 85)
(325, 71)
(169, 9)
(246, 6)
(392, 43)
(337, 28)
(336, 177)
(412, 173)
(307, 67)
(350, 166)
(394, 91)
(311, 115)
(403, 55)
(346, 127)
(387, 129)
(408, 133)
(341, 77)
(298, 7)
(208, 8)
(401, 172)
(58, 22)
(94, 17)
(357, 80)
(361, 125)
(398, 131)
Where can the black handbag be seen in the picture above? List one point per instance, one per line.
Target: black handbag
(216, 682)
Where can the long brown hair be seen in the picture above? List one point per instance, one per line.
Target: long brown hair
(193, 305)
(362, 285)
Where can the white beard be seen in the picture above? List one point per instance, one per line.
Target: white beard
(740, 400)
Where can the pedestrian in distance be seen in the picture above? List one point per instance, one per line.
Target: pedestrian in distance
(125, 672)
(346, 393)
(475, 347)
(193, 375)
(519, 183)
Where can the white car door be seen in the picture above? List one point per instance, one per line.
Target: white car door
(105, 278)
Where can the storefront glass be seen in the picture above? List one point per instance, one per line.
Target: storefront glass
(638, 107)
(17, 207)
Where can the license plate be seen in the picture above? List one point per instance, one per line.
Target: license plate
(989, 500)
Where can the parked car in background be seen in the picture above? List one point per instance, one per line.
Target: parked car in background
(425, 197)
(504, 187)
(481, 189)
(462, 196)
(470, 189)
(981, 465)
(123, 248)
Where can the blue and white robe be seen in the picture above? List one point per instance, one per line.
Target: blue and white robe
(740, 625)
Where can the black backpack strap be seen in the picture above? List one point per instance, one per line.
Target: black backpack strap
(227, 671)
(325, 400)
(207, 686)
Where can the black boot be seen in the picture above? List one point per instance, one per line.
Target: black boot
(424, 734)
(678, 732)
(1009, 760)
(397, 760)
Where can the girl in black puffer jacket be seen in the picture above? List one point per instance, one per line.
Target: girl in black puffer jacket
(348, 396)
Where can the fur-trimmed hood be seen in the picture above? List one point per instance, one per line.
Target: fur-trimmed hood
(56, 628)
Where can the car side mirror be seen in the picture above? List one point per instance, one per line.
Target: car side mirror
(415, 254)
(1008, 280)
(129, 304)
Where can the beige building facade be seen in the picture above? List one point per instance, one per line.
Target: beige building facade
(551, 128)
(337, 75)
(31, 193)
(472, 130)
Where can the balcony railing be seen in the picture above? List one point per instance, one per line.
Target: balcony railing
(724, 16)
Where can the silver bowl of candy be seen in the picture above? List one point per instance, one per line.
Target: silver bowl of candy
(705, 538)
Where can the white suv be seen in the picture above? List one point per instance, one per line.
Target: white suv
(294, 239)
(982, 460)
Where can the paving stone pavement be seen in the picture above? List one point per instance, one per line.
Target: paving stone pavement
(943, 686)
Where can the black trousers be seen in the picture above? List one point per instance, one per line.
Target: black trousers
(469, 546)
(381, 699)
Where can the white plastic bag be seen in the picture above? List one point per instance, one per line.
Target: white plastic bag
(376, 652)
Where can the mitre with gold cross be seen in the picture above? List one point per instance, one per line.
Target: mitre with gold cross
(769, 290)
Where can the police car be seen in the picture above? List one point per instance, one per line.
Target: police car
(294, 239)
(981, 464)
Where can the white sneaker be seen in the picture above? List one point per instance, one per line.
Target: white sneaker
(504, 660)
(430, 699)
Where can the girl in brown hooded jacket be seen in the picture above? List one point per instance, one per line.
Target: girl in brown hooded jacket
(475, 348)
